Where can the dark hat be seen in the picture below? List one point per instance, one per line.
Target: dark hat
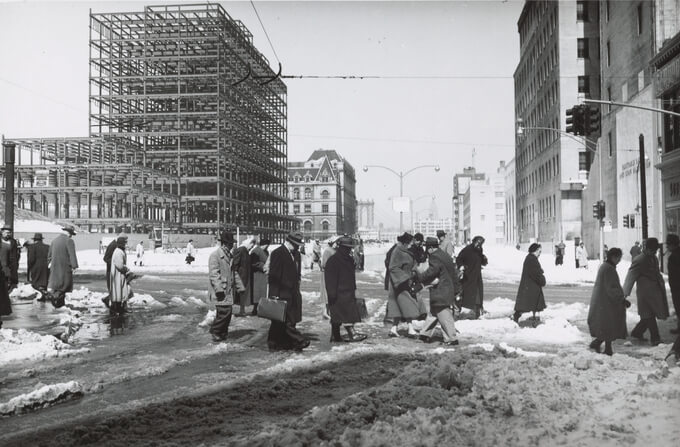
(432, 242)
(7, 227)
(652, 244)
(69, 228)
(478, 238)
(533, 247)
(122, 239)
(419, 237)
(295, 237)
(227, 237)
(345, 241)
(405, 238)
(265, 242)
(38, 237)
(441, 233)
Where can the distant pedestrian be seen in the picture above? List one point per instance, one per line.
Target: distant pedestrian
(442, 270)
(325, 255)
(673, 244)
(63, 263)
(191, 252)
(285, 267)
(530, 292)
(119, 284)
(10, 252)
(258, 272)
(402, 299)
(650, 291)
(36, 260)
(581, 256)
(607, 311)
(559, 253)
(240, 264)
(445, 244)
(340, 280)
(108, 254)
(316, 254)
(139, 254)
(635, 250)
(470, 260)
(358, 254)
(223, 285)
(604, 253)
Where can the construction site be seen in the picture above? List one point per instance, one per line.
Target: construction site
(187, 129)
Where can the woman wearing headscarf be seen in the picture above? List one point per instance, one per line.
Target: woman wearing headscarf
(530, 293)
(328, 251)
(120, 286)
(607, 312)
(402, 300)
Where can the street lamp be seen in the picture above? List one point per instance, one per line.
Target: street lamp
(401, 176)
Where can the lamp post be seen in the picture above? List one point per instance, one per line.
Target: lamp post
(9, 154)
(584, 141)
(401, 176)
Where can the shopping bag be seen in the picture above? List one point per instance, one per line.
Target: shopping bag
(272, 309)
(363, 310)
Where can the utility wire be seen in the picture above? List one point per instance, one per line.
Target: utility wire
(42, 95)
(391, 140)
(265, 32)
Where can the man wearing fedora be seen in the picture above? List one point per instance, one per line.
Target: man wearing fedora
(284, 283)
(63, 262)
(223, 284)
(37, 271)
(445, 244)
(9, 257)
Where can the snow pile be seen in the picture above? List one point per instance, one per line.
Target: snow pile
(42, 397)
(196, 302)
(23, 345)
(24, 292)
(146, 301)
(177, 301)
(208, 320)
(85, 298)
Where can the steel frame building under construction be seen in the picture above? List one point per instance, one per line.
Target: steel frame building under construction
(188, 126)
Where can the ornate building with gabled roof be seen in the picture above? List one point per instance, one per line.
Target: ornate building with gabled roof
(323, 195)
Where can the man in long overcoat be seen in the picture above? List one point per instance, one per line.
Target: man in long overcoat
(530, 292)
(402, 300)
(284, 282)
(673, 243)
(470, 260)
(325, 256)
(241, 265)
(36, 258)
(119, 286)
(63, 263)
(258, 280)
(388, 255)
(222, 285)
(340, 280)
(651, 291)
(607, 311)
(442, 294)
(9, 257)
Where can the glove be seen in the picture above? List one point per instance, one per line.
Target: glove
(414, 289)
(220, 296)
(626, 303)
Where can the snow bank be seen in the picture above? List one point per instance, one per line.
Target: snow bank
(147, 301)
(23, 345)
(42, 397)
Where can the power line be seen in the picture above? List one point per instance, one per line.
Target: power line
(265, 32)
(390, 140)
(42, 95)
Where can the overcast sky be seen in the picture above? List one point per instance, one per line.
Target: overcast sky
(402, 122)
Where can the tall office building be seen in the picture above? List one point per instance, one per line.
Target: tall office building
(461, 183)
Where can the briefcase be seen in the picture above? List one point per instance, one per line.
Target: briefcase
(272, 309)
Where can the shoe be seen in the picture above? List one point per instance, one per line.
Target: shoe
(595, 346)
(217, 338)
(393, 332)
(656, 342)
(105, 300)
(354, 338)
(608, 352)
(302, 345)
(425, 339)
(677, 354)
(451, 343)
(638, 336)
(338, 340)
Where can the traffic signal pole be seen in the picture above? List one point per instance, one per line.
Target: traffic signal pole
(643, 188)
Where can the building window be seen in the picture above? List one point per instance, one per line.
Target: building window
(308, 193)
(308, 226)
(609, 53)
(325, 194)
(609, 97)
(582, 48)
(581, 11)
(296, 209)
(296, 194)
(610, 143)
(324, 225)
(583, 158)
(308, 208)
(606, 10)
(324, 178)
(639, 19)
(584, 85)
(324, 208)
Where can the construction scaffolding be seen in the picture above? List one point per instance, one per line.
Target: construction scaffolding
(186, 84)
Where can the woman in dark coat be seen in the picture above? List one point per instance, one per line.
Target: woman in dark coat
(36, 259)
(241, 265)
(607, 312)
(340, 280)
(258, 275)
(471, 259)
(530, 293)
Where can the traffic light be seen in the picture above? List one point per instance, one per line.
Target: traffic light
(631, 218)
(591, 120)
(575, 117)
(626, 221)
(598, 210)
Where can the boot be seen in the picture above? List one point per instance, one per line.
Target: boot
(335, 333)
(254, 312)
(608, 348)
(354, 336)
(516, 316)
(595, 345)
(393, 331)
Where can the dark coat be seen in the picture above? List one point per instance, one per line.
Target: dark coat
(62, 259)
(674, 272)
(284, 281)
(387, 266)
(651, 290)
(607, 312)
(5, 303)
(419, 253)
(530, 293)
(241, 265)
(341, 287)
(635, 251)
(9, 258)
(36, 258)
(258, 280)
(443, 294)
(472, 259)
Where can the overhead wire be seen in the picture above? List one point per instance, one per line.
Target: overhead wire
(265, 31)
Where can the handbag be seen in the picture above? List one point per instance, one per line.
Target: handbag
(272, 309)
(363, 310)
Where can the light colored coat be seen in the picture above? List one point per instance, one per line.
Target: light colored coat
(120, 287)
(140, 251)
(62, 259)
(222, 278)
(651, 290)
(325, 256)
(582, 256)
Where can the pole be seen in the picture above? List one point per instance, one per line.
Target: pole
(643, 188)
(401, 194)
(599, 162)
(9, 183)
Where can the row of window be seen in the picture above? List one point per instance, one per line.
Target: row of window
(308, 226)
(325, 195)
(538, 141)
(308, 208)
(547, 171)
(308, 178)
